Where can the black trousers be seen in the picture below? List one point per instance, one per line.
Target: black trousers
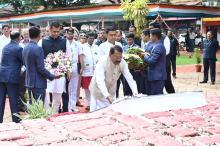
(168, 83)
(173, 64)
(38, 93)
(22, 90)
(155, 87)
(118, 85)
(65, 98)
(140, 78)
(13, 92)
(209, 63)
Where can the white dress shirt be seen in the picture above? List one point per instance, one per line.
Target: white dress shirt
(166, 44)
(90, 58)
(104, 48)
(103, 83)
(3, 42)
(192, 35)
(74, 49)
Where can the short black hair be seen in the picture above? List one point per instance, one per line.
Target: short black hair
(210, 31)
(155, 24)
(101, 30)
(116, 48)
(130, 35)
(70, 30)
(146, 32)
(14, 35)
(109, 29)
(55, 24)
(34, 32)
(132, 26)
(5, 25)
(157, 32)
(91, 34)
(119, 31)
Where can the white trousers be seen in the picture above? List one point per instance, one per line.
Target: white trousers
(57, 97)
(88, 96)
(96, 104)
(73, 87)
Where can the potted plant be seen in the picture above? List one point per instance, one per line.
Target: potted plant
(198, 58)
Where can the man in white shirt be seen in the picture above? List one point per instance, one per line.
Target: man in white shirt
(22, 89)
(74, 49)
(4, 38)
(90, 58)
(145, 37)
(107, 71)
(104, 48)
(25, 38)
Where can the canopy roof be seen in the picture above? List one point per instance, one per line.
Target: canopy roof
(92, 13)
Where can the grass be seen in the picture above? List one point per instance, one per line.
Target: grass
(185, 60)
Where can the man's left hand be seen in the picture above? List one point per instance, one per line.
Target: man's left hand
(81, 71)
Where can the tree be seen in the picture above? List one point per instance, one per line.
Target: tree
(136, 11)
(23, 6)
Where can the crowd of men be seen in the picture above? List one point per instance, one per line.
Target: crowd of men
(97, 66)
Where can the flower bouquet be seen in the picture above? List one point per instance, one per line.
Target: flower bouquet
(59, 62)
(134, 59)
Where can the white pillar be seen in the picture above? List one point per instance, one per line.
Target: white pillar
(48, 23)
(103, 23)
(201, 26)
(71, 22)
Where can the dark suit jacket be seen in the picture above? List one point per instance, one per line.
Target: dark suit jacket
(36, 74)
(11, 63)
(156, 62)
(210, 49)
(51, 45)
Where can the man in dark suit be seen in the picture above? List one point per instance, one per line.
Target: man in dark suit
(156, 60)
(173, 51)
(166, 42)
(54, 43)
(10, 70)
(36, 74)
(210, 47)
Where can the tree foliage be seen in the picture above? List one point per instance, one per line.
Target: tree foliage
(23, 6)
(136, 11)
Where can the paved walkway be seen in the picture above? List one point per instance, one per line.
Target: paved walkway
(188, 127)
(187, 80)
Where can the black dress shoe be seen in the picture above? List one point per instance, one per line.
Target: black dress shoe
(212, 83)
(88, 108)
(79, 104)
(203, 82)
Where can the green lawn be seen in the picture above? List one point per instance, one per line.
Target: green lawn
(185, 60)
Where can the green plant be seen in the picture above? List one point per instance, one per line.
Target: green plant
(36, 110)
(136, 11)
(197, 56)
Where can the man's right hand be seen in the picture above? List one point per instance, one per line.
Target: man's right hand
(58, 76)
(69, 75)
(109, 98)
